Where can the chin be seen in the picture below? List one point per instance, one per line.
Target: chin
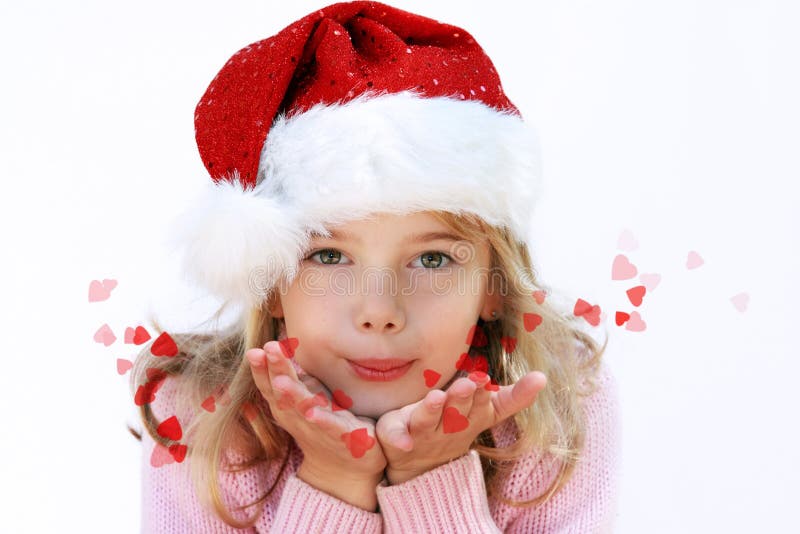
(374, 409)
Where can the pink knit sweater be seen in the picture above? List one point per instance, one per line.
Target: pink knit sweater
(449, 498)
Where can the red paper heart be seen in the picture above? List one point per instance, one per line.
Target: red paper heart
(146, 393)
(508, 343)
(431, 377)
(170, 429)
(453, 421)
(478, 376)
(289, 345)
(587, 311)
(161, 456)
(105, 335)
(622, 269)
(621, 318)
(178, 451)
(539, 295)
(636, 294)
(249, 411)
(341, 401)
(209, 404)
(477, 337)
(492, 385)
(123, 365)
(140, 335)
(531, 321)
(164, 345)
(317, 400)
(285, 402)
(469, 363)
(99, 291)
(358, 442)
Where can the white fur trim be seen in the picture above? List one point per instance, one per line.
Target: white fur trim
(236, 244)
(396, 153)
(400, 153)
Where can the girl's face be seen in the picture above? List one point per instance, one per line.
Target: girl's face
(389, 291)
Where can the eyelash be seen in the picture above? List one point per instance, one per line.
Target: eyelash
(449, 259)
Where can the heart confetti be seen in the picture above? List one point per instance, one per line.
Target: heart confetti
(539, 295)
(431, 377)
(531, 321)
(509, 344)
(741, 301)
(170, 429)
(161, 456)
(650, 280)
(478, 376)
(288, 346)
(317, 400)
(635, 323)
(105, 336)
(636, 294)
(123, 366)
(622, 269)
(492, 385)
(138, 336)
(178, 451)
(164, 345)
(469, 363)
(587, 311)
(626, 241)
(100, 291)
(453, 421)
(358, 442)
(249, 411)
(210, 404)
(477, 337)
(621, 317)
(341, 401)
(693, 260)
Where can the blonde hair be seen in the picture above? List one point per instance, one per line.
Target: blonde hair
(213, 362)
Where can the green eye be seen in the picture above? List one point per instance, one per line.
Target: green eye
(434, 260)
(327, 256)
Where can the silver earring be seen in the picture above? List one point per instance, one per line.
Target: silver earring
(494, 315)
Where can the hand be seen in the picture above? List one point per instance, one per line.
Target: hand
(442, 426)
(337, 446)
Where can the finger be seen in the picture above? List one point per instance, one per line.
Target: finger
(459, 399)
(392, 428)
(480, 400)
(428, 414)
(258, 366)
(513, 398)
(277, 362)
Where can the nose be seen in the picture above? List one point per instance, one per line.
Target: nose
(380, 307)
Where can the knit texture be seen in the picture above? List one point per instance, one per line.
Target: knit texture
(449, 498)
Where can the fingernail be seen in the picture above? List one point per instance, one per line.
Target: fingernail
(272, 357)
(255, 360)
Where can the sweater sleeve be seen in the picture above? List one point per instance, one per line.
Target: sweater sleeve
(304, 508)
(448, 498)
(452, 497)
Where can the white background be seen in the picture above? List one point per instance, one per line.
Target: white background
(676, 120)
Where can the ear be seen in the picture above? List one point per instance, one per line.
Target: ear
(493, 302)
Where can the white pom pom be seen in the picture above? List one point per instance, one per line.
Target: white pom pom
(237, 244)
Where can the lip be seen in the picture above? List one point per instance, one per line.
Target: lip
(380, 369)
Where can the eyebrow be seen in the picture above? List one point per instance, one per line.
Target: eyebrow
(423, 237)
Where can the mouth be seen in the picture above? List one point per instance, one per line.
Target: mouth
(380, 369)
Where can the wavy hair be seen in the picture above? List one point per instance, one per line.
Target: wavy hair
(212, 362)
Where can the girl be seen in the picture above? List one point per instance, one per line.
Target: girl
(396, 366)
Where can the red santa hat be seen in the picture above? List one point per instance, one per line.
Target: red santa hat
(355, 109)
